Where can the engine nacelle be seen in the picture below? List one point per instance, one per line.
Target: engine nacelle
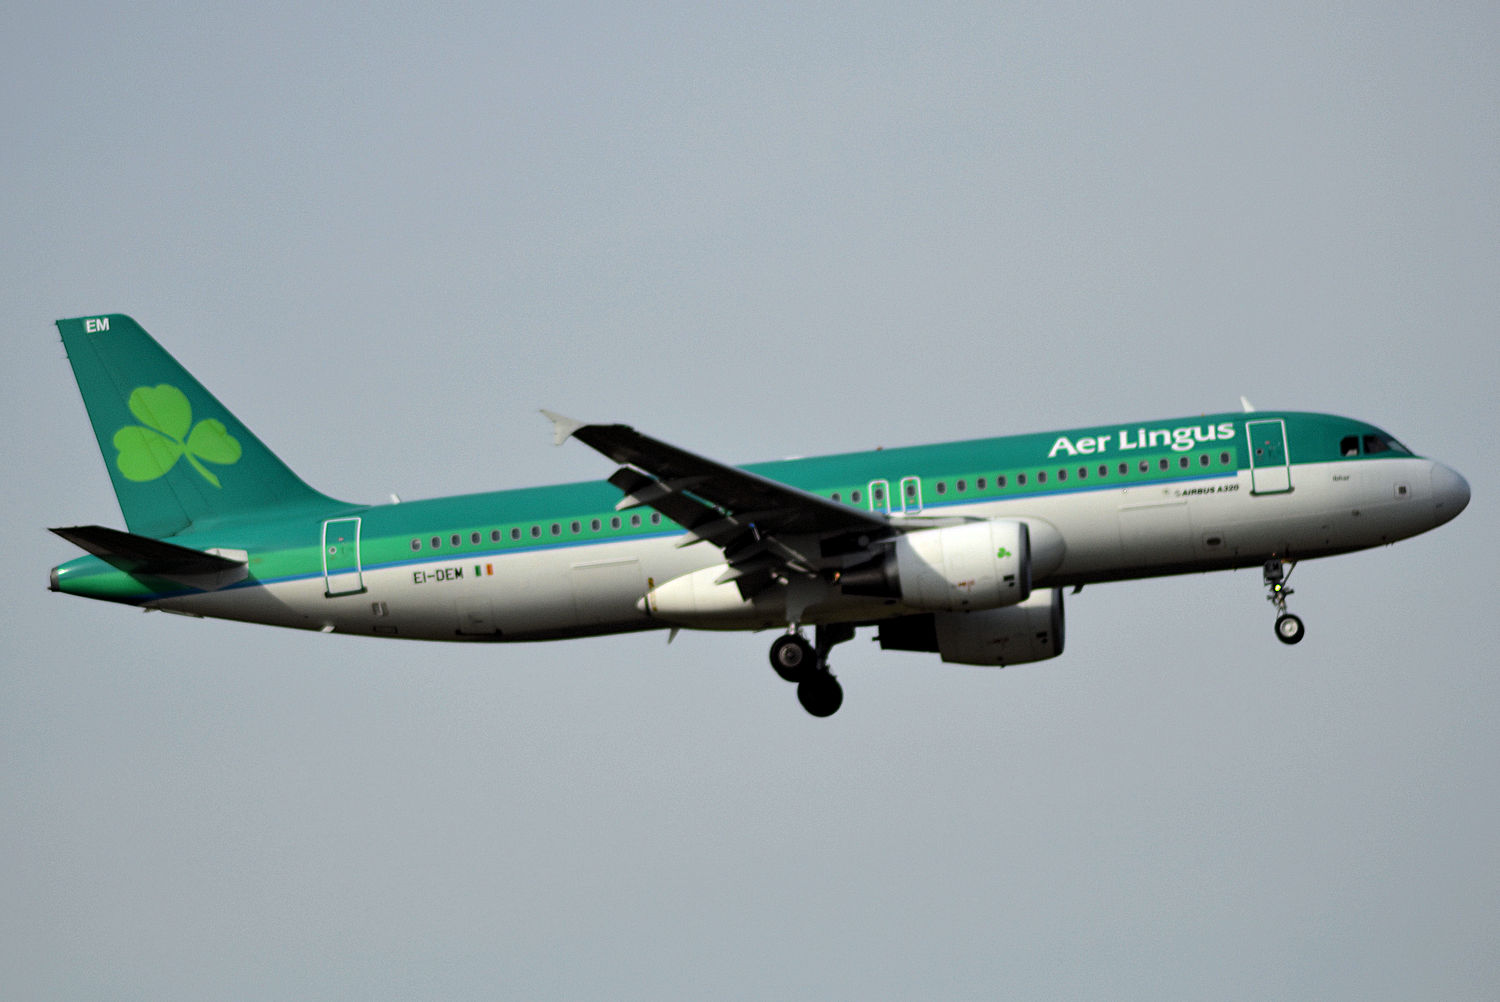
(1013, 635)
(977, 565)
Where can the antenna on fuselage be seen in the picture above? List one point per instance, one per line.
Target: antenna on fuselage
(1247, 405)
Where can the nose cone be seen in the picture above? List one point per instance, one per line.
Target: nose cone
(1450, 492)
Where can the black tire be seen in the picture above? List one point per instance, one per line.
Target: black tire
(1289, 629)
(820, 694)
(792, 656)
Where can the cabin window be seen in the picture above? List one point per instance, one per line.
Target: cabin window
(455, 539)
(1061, 474)
(416, 544)
(961, 486)
(1000, 483)
(1103, 470)
(1203, 459)
(1183, 462)
(474, 538)
(437, 541)
(635, 521)
(1083, 473)
(656, 518)
(1224, 458)
(855, 496)
(536, 532)
(942, 488)
(979, 484)
(494, 535)
(1020, 480)
(1145, 466)
(515, 534)
(594, 525)
(1041, 477)
(835, 496)
(556, 529)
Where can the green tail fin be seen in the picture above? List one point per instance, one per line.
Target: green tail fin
(176, 456)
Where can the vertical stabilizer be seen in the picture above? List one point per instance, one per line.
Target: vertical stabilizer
(176, 456)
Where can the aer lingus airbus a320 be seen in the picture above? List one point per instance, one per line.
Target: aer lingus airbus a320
(962, 549)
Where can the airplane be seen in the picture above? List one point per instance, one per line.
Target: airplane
(963, 549)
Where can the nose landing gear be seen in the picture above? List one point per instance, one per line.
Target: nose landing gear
(796, 660)
(1289, 628)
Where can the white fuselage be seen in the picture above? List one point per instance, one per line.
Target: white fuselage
(1107, 533)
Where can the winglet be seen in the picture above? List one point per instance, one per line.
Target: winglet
(562, 427)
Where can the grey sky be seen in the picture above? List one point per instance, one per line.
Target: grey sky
(385, 236)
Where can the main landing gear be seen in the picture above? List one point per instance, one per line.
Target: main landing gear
(1289, 629)
(797, 660)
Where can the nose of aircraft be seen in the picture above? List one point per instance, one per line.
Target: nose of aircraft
(1450, 492)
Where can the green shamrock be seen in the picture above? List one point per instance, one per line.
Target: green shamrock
(149, 452)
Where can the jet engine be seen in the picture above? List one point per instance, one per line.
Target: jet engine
(977, 565)
(1013, 635)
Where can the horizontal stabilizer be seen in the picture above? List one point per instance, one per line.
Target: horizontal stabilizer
(144, 556)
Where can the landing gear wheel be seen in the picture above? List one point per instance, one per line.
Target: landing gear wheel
(820, 694)
(1289, 629)
(792, 656)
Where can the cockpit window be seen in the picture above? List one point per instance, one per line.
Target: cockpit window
(1381, 443)
(1373, 445)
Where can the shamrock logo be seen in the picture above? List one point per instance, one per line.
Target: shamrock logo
(169, 434)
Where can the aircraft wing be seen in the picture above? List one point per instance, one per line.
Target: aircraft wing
(764, 527)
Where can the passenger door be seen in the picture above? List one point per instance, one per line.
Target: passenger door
(342, 574)
(1270, 466)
